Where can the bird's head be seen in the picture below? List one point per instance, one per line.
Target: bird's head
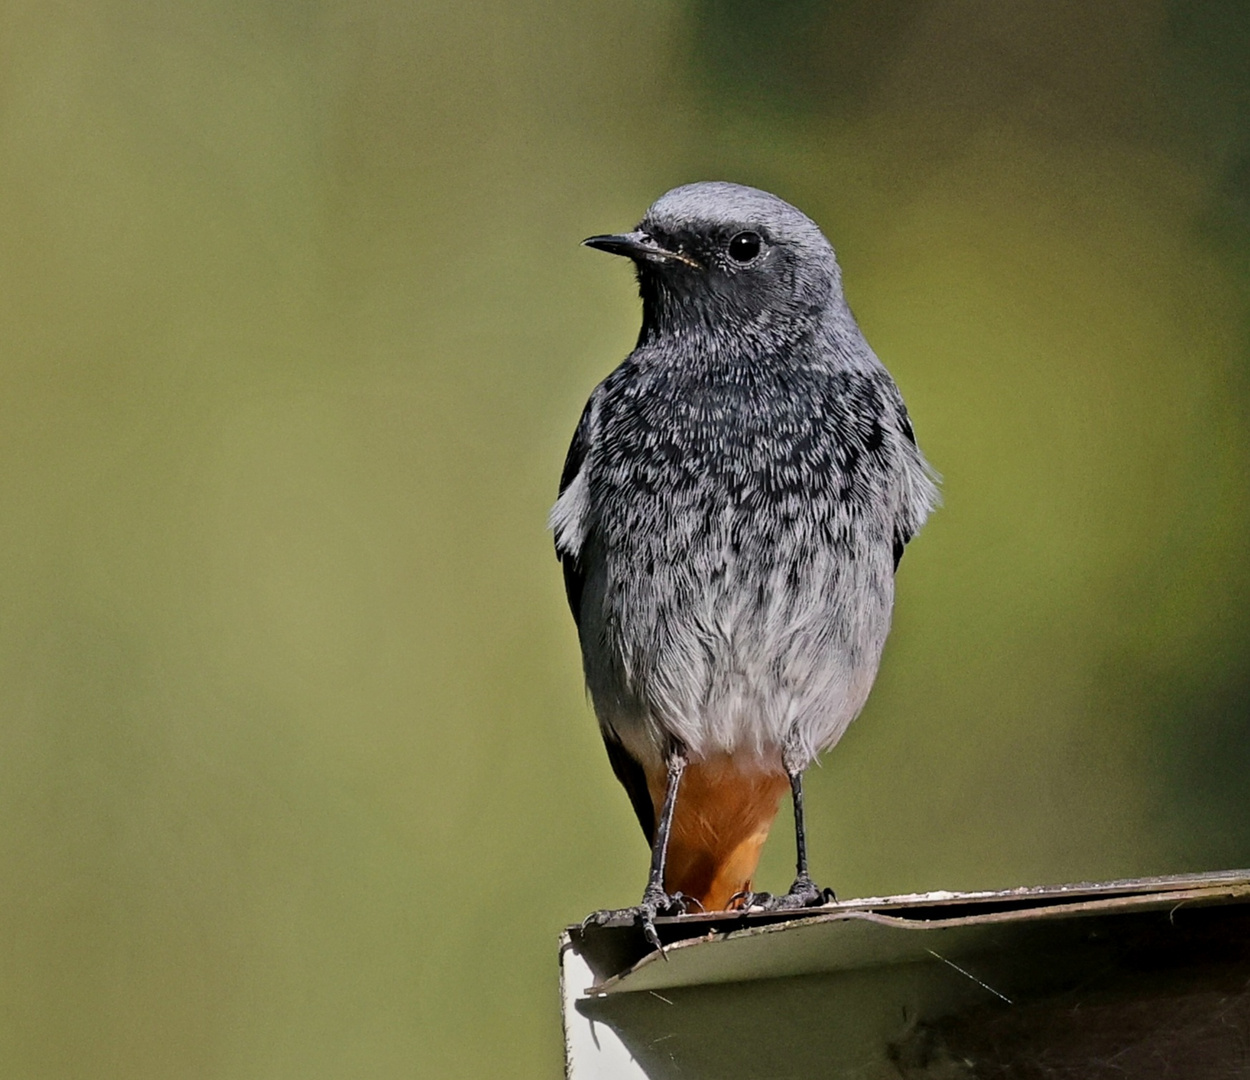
(726, 260)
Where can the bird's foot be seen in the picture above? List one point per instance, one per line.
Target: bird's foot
(655, 902)
(804, 893)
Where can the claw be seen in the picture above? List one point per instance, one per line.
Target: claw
(653, 905)
(804, 893)
(649, 932)
(747, 899)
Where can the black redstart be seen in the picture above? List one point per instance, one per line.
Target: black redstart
(734, 504)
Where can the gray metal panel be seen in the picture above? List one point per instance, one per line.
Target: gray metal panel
(889, 986)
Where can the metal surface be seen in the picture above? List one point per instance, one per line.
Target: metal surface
(905, 985)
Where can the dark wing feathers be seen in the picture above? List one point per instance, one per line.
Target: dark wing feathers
(570, 561)
(634, 780)
(577, 449)
(900, 542)
(575, 581)
(901, 535)
(626, 768)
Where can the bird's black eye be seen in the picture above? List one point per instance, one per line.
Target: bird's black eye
(744, 247)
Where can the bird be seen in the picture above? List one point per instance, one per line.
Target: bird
(731, 513)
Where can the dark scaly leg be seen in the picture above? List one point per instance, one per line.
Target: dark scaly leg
(655, 901)
(659, 849)
(804, 892)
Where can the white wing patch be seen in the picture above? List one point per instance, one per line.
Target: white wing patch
(568, 518)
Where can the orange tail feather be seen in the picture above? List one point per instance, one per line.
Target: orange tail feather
(725, 808)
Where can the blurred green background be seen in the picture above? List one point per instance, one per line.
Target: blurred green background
(297, 778)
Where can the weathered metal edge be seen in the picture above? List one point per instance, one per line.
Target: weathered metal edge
(942, 898)
(1171, 891)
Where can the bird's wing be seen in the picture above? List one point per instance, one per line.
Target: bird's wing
(571, 528)
(921, 490)
(568, 516)
(633, 778)
(903, 531)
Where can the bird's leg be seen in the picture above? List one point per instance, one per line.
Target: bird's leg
(655, 901)
(659, 849)
(804, 892)
(804, 888)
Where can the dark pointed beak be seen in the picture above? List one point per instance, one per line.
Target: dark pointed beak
(638, 245)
